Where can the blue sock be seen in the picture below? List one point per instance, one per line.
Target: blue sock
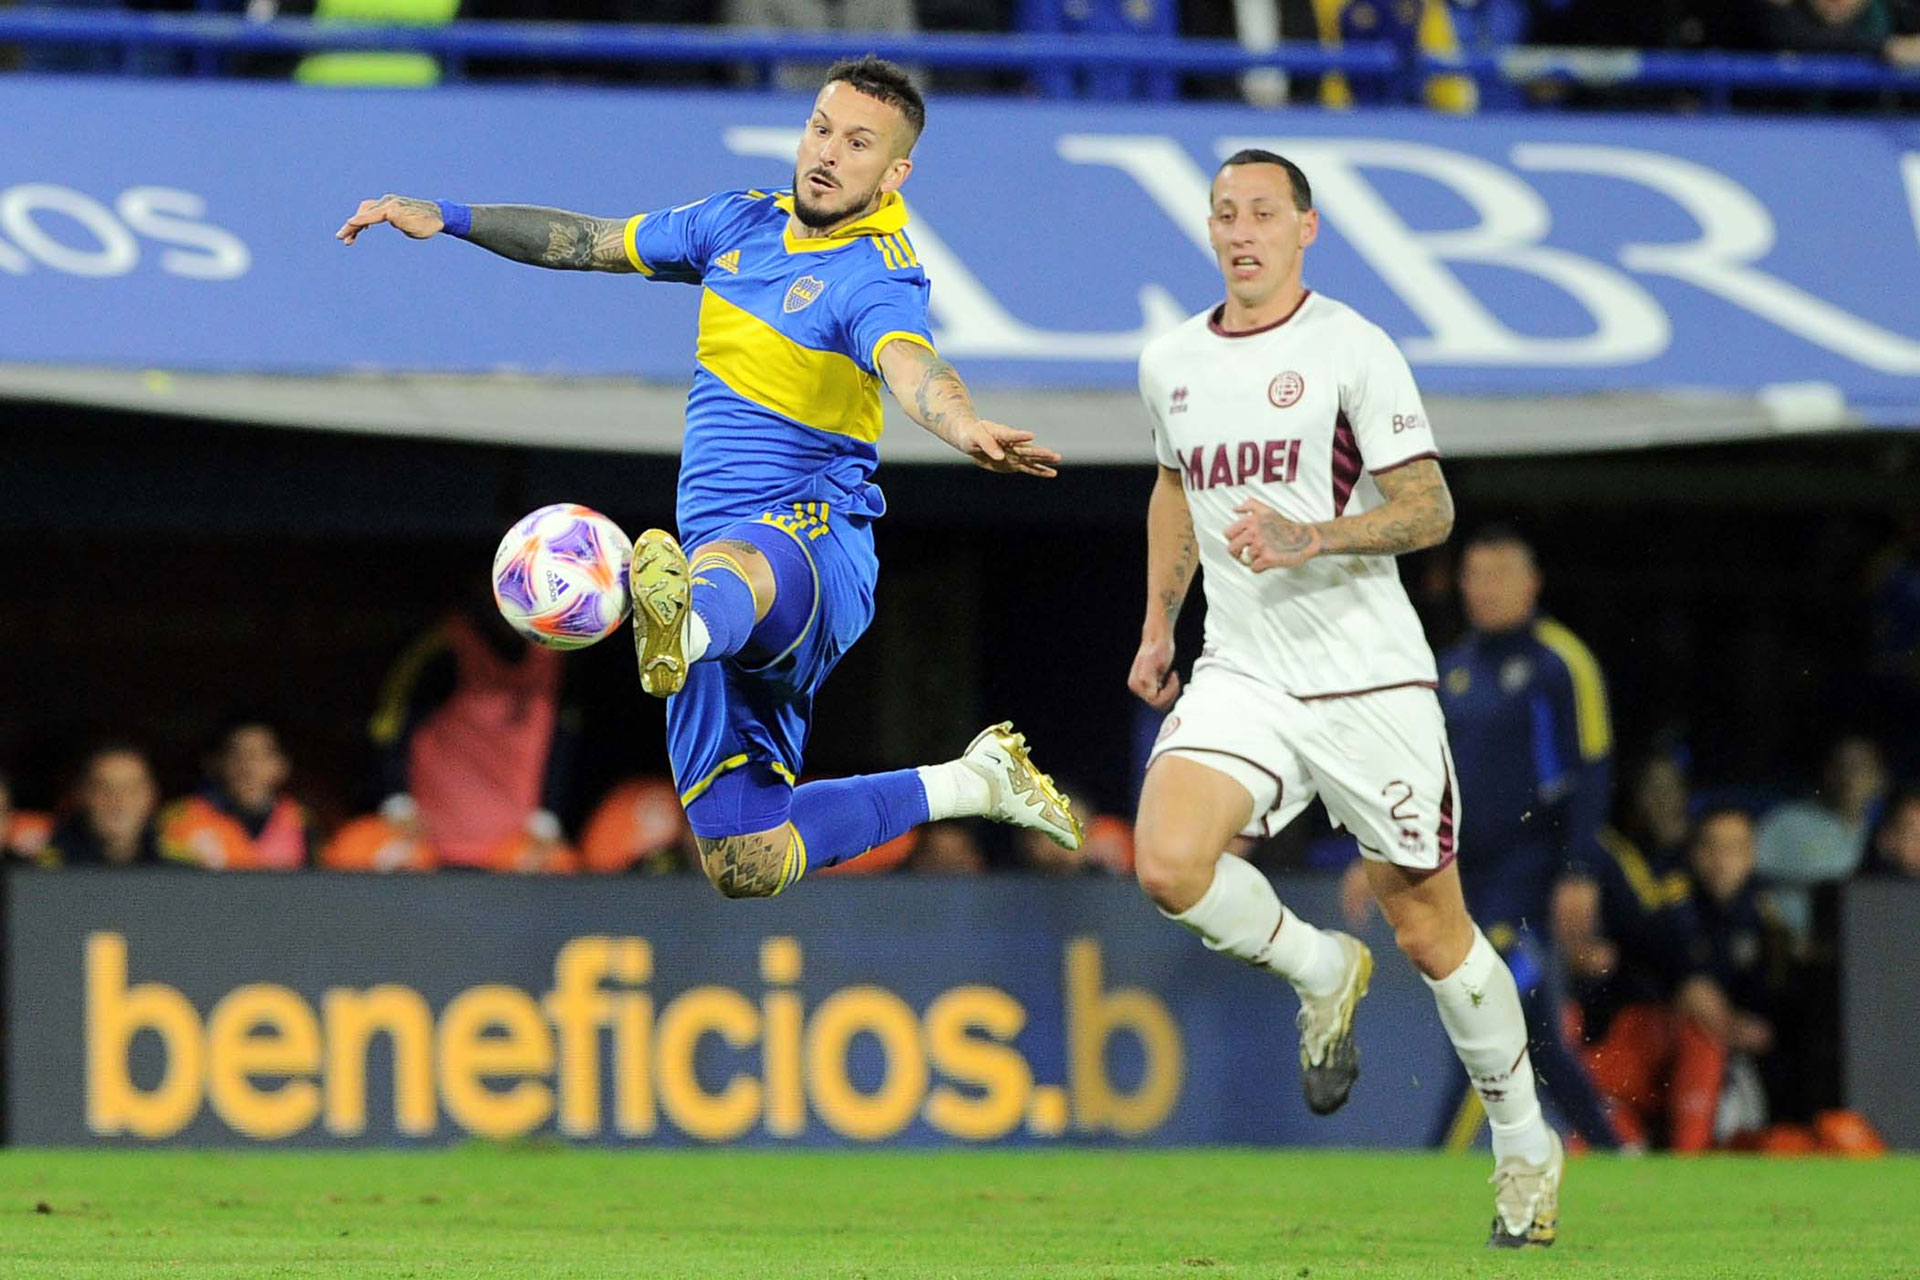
(724, 602)
(841, 819)
(793, 598)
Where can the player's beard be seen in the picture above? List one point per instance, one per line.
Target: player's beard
(821, 216)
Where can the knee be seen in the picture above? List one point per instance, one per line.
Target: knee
(752, 563)
(1424, 942)
(1173, 872)
(744, 866)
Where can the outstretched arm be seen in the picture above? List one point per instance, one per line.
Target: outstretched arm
(931, 392)
(1173, 557)
(531, 234)
(1417, 513)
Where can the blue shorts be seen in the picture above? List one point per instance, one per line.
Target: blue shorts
(730, 715)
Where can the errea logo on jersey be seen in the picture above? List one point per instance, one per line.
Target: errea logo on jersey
(1179, 401)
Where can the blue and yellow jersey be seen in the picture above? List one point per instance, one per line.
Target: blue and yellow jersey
(1532, 743)
(785, 405)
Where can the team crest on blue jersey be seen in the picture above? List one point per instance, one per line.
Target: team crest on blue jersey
(802, 293)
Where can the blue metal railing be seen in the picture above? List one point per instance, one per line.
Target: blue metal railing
(608, 42)
(206, 35)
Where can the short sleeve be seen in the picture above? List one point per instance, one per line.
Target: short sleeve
(672, 244)
(884, 309)
(1383, 405)
(1149, 396)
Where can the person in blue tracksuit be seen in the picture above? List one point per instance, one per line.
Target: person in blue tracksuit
(1526, 710)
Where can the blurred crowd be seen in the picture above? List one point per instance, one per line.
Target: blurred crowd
(1883, 29)
(1683, 980)
(473, 757)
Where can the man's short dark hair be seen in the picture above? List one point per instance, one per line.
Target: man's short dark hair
(1499, 534)
(886, 82)
(1302, 189)
(114, 746)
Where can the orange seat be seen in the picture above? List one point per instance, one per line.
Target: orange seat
(638, 818)
(522, 854)
(199, 835)
(27, 833)
(1847, 1133)
(1110, 843)
(372, 843)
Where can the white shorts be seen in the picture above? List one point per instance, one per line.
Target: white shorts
(1378, 761)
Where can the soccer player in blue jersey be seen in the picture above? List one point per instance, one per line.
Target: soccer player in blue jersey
(811, 298)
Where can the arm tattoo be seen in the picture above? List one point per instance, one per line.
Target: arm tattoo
(1417, 514)
(1186, 559)
(1283, 535)
(940, 401)
(1173, 553)
(746, 866)
(551, 237)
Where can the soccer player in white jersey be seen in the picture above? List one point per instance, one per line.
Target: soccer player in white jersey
(1295, 462)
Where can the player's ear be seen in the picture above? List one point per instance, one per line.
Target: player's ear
(1309, 227)
(896, 174)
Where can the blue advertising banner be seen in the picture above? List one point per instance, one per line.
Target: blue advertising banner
(188, 226)
(322, 1010)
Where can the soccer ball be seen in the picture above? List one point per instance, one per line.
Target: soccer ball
(560, 576)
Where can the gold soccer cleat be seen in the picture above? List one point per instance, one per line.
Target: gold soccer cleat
(1022, 795)
(662, 591)
(1526, 1200)
(1329, 1060)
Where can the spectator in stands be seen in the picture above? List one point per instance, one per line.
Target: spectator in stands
(1805, 843)
(1886, 28)
(1652, 1017)
(114, 824)
(1415, 26)
(1748, 953)
(22, 835)
(948, 849)
(242, 820)
(471, 745)
(892, 16)
(364, 68)
(1655, 816)
(1148, 21)
(1896, 840)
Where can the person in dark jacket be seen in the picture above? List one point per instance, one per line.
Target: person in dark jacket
(114, 825)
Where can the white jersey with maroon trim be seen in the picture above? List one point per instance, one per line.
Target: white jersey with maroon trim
(1300, 415)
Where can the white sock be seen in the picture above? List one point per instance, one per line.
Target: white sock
(955, 790)
(1241, 916)
(697, 637)
(1480, 1008)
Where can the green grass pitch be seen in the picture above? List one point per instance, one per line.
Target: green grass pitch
(483, 1211)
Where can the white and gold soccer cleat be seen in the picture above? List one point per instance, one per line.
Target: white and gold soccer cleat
(662, 592)
(1526, 1200)
(1329, 1060)
(1022, 795)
